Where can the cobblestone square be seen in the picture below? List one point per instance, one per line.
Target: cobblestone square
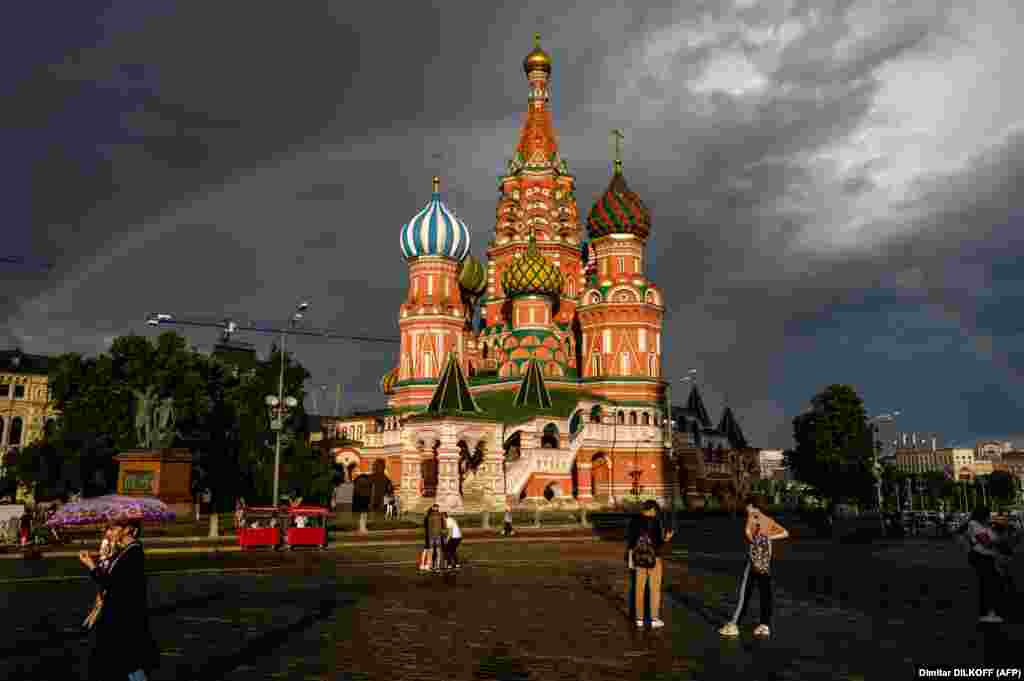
(518, 610)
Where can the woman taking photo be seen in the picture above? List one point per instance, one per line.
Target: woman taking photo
(122, 645)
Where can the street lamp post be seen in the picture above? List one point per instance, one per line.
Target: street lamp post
(877, 466)
(288, 402)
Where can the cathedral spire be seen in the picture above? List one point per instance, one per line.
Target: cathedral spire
(538, 147)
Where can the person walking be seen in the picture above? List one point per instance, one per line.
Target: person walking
(982, 554)
(435, 531)
(25, 530)
(454, 539)
(759, 531)
(507, 531)
(122, 645)
(644, 541)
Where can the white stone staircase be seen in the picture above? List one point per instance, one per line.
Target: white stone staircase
(554, 461)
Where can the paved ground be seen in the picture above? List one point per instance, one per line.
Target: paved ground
(519, 610)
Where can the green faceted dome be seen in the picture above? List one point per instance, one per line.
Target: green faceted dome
(473, 276)
(532, 274)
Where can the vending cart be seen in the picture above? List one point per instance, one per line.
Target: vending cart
(261, 527)
(307, 526)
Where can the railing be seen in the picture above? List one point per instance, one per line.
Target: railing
(517, 473)
(386, 439)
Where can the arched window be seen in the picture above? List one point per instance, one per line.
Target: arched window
(595, 364)
(344, 433)
(632, 418)
(595, 414)
(647, 419)
(15, 436)
(549, 440)
(621, 416)
(483, 351)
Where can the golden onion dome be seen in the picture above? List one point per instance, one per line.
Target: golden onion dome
(532, 274)
(472, 276)
(538, 59)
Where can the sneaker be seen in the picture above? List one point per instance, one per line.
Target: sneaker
(762, 630)
(991, 618)
(640, 624)
(730, 630)
(657, 623)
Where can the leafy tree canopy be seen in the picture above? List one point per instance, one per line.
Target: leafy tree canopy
(834, 449)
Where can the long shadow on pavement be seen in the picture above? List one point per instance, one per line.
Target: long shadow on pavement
(217, 668)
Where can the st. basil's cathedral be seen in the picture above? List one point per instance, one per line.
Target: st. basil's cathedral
(536, 374)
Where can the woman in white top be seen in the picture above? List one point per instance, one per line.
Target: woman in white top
(454, 538)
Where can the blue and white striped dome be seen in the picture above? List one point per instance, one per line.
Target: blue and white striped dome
(435, 231)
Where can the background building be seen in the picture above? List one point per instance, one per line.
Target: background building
(25, 408)
(922, 460)
(772, 464)
(990, 450)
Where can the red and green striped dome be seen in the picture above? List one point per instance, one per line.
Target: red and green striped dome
(619, 211)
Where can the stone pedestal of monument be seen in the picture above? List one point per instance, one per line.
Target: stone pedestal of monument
(162, 473)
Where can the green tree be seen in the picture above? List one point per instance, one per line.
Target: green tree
(834, 448)
(310, 474)
(1001, 487)
(255, 439)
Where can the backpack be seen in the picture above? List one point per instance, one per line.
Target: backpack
(644, 555)
(761, 555)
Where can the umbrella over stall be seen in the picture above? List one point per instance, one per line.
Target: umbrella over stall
(110, 509)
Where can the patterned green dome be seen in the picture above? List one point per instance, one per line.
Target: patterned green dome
(619, 211)
(473, 276)
(532, 274)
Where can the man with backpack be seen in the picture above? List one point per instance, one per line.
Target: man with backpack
(644, 542)
(759, 531)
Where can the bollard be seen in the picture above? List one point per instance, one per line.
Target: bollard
(214, 525)
(486, 521)
(362, 523)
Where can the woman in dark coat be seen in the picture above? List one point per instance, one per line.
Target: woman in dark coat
(122, 645)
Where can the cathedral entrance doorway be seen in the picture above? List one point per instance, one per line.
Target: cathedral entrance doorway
(600, 479)
(428, 473)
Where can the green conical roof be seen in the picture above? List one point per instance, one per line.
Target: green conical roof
(532, 391)
(452, 393)
(696, 410)
(730, 428)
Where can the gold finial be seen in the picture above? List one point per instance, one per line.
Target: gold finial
(538, 59)
(437, 184)
(617, 138)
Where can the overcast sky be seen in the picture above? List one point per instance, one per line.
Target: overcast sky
(836, 187)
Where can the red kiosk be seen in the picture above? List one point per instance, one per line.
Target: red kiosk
(261, 526)
(307, 526)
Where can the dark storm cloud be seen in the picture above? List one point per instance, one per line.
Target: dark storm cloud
(830, 181)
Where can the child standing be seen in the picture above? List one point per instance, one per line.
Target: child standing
(759, 532)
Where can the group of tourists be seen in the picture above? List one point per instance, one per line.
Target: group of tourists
(442, 536)
(122, 646)
(645, 543)
(990, 546)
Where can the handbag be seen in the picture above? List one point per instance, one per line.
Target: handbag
(90, 620)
